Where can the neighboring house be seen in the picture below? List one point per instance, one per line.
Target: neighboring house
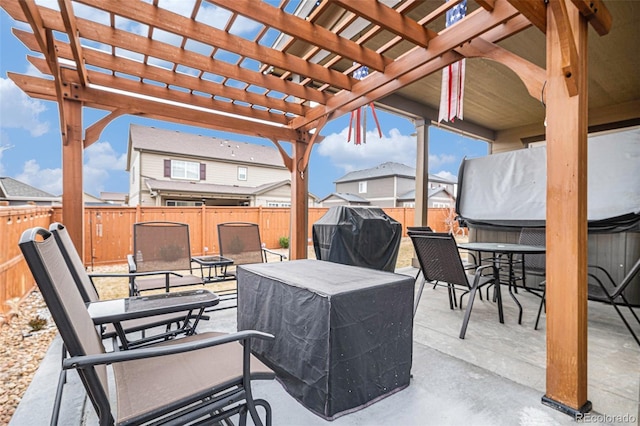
(14, 192)
(169, 168)
(388, 185)
(115, 198)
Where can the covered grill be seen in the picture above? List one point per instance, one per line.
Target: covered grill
(359, 236)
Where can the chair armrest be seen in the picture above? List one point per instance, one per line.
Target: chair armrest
(282, 256)
(132, 263)
(480, 269)
(151, 352)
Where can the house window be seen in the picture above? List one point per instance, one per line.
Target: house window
(185, 170)
(362, 187)
(178, 203)
(278, 204)
(439, 205)
(242, 173)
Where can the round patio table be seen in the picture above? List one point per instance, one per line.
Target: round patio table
(508, 249)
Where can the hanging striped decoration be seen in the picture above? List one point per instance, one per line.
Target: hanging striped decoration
(358, 119)
(452, 93)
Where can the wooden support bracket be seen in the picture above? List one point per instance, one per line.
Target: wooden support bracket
(288, 161)
(568, 47)
(303, 162)
(93, 132)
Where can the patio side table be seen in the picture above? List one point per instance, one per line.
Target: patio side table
(344, 334)
(213, 263)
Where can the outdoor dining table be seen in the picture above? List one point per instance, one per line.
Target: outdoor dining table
(508, 249)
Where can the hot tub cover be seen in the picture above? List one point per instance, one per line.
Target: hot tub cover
(358, 236)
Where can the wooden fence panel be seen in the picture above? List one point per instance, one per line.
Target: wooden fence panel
(108, 238)
(15, 277)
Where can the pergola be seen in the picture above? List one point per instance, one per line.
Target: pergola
(282, 69)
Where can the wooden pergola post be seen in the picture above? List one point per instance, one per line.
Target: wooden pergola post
(72, 182)
(566, 102)
(299, 202)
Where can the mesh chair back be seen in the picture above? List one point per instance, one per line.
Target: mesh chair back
(76, 267)
(439, 257)
(68, 310)
(535, 263)
(161, 246)
(418, 229)
(240, 241)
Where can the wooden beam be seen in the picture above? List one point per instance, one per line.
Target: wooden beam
(148, 72)
(69, 19)
(486, 4)
(299, 204)
(153, 91)
(72, 182)
(566, 288)
(165, 20)
(534, 10)
(387, 18)
(305, 30)
(147, 47)
(102, 99)
(288, 161)
(567, 45)
(597, 13)
(400, 73)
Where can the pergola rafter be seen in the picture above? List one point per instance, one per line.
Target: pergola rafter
(282, 71)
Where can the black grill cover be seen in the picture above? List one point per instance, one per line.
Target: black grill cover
(358, 236)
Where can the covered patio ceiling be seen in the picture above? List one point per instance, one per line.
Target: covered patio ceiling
(282, 69)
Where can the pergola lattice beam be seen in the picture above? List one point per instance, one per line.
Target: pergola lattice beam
(307, 31)
(165, 20)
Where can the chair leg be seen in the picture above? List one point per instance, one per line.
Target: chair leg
(415, 305)
(624, 320)
(542, 305)
(467, 314)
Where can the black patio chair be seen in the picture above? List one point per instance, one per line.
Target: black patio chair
(203, 378)
(160, 249)
(174, 324)
(440, 261)
(603, 288)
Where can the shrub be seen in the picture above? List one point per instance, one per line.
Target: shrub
(284, 242)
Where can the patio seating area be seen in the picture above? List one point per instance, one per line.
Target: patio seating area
(495, 376)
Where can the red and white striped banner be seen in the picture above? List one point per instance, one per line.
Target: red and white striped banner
(452, 93)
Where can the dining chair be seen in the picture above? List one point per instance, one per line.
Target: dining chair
(440, 261)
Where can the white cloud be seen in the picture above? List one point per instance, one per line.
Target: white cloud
(20, 111)
(49, 180)
(438, 161)
(100, 159)
(447, 175)
(394, 147)
(3, 148)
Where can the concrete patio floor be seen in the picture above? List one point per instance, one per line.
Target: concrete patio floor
(496, 376)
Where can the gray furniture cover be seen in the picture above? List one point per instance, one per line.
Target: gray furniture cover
(509, 189)
(343, 333)
(358, 236)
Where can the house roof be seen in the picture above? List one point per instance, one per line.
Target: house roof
(208, 188)
(352, 198)
(411, 195)
(152, 139)
(11, 189)
(386, 170)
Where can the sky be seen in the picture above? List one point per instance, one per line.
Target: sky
(30, 142)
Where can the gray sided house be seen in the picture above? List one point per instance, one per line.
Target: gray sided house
(15, 193)
(388, 185)
(170, 168)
